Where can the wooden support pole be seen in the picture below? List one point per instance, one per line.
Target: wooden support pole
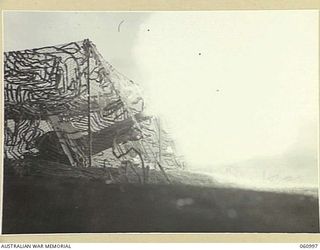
(89, 106)
(163, 172)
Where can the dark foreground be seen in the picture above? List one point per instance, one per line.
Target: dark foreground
(60, 205)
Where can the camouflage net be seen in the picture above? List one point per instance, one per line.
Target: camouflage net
(94, 112)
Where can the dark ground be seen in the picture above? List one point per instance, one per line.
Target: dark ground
(72, 205)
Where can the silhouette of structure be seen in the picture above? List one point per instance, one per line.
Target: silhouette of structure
(67, 104)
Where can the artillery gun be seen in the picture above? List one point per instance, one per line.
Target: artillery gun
(66, 104)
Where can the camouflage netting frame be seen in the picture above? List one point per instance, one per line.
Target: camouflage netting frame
(69, 91)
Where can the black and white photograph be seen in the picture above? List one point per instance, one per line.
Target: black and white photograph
(160, 122)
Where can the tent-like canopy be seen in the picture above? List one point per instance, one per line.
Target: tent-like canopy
(95, 113)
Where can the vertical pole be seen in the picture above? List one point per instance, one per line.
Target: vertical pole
(89, 107)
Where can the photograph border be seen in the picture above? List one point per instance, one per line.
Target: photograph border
(152, 5)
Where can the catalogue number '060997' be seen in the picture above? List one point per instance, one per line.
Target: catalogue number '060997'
(308, 245)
